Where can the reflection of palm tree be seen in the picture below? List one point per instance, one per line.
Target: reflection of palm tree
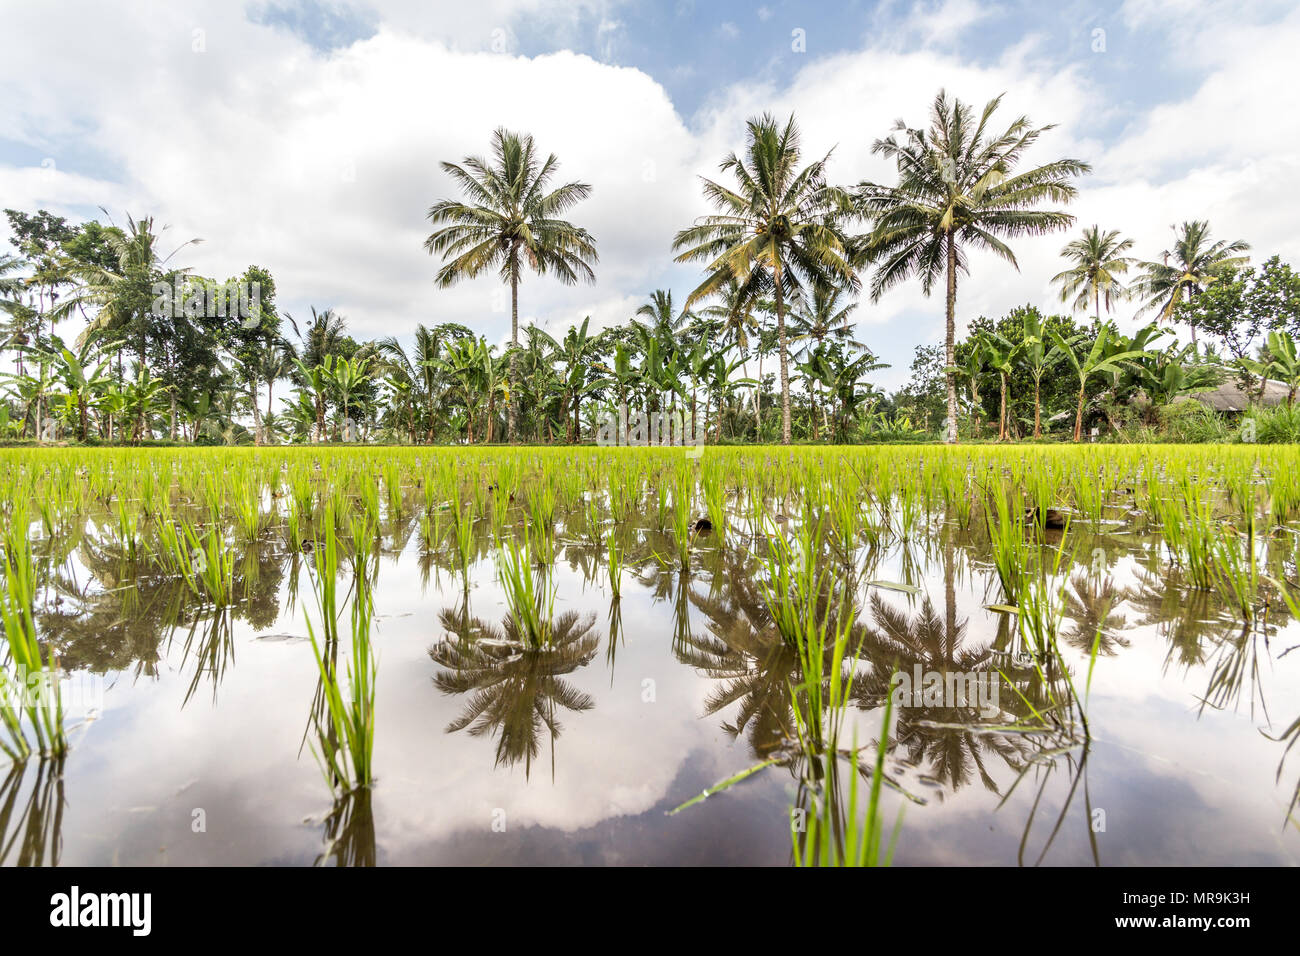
(39, 822)
(947, 738)
(746, 652)
(1089, 604)
(515, 690)
(1184, 616)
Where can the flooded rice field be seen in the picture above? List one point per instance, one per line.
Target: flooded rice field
(972, 656)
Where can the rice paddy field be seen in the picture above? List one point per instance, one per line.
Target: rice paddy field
(917, 655)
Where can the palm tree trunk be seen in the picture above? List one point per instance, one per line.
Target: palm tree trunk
(783, 346)
(950, 339)
(514, 353)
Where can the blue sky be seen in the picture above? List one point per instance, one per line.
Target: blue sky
(305, 136)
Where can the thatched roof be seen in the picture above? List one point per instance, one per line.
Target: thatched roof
(1231, 397)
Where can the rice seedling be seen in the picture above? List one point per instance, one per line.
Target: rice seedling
(33, 691)
(128, 529)
(846, 836)
(530, 595)
(208, 566)
(1008, 547)
(345, 730)
(462, 527)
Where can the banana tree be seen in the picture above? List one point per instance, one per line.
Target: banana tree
(815, 371)
(971, 368)
(70, 370)
(464, 368)
(1172, 372)
(722, 385)
(1037, 358)
(1000, 355)
(1107, 354)
(349, 375)
(140, 400)
(315, 380)
(623, 376)
(843, 380)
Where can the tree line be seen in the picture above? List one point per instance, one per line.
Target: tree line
(764, 345)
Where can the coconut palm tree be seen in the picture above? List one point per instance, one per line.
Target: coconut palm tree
(10, 284)
(664, 322)
(512, 691)
(510, 221)
(957, 188)
(1098, 262)
(822, 317)
(1197, 262)
(779, 229)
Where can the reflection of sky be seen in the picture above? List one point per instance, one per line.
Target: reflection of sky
(1176, 788)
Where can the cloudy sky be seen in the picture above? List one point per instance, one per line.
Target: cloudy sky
(305, 135)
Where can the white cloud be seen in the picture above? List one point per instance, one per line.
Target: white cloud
(321, 167)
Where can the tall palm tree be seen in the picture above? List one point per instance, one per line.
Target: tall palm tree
(1197, 262)
(780, 228)
(823, 317)
(664, 322)
(420, 368)
(958, 187)
(510, 221)
(1098, 261)
(323, 336)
